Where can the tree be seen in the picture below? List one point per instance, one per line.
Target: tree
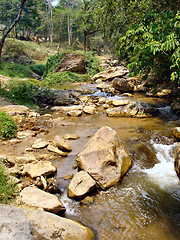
(7, 31)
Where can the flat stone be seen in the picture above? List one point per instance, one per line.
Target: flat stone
(74, 113)
(89, 110)
(39, 143)
(117, 103)
(81, 184)
(70, 136)
(40, 168)
(35, 197)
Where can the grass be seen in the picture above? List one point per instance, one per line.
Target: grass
(7, 187)
(8, 127)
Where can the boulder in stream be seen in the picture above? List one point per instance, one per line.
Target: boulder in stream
(177, 160)
(35, 197)
(60, 143)
(122, 85)
(105, 158)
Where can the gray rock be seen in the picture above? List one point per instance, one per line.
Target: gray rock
(122, 85)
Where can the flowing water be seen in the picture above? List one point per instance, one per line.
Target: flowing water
(146, 204)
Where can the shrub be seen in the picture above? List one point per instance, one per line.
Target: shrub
(7, 187)
(15, 70)
(38, 69)
(8, 127)
(65, 77)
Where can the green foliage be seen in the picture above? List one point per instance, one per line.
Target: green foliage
(7, 187)
(64, 77)
(38, 69)
(26, 92)
(15, 70)
(8, 127)
(153, 46)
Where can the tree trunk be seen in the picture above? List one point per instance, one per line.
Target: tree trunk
(11, 27)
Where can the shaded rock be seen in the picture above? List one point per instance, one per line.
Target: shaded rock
(62, 97)
(176, 106)
(176, 132)
(122, 85)
(81, 184)
(21, 224)
(177, 160)
(104, 157)
(61, 144)
(51, 148)
(39, 143)
(72, 62)
(40, 168)
(8, 161)
(89, 110)
(35, 197)
(71, 136)
(111, 73)
(68, 177)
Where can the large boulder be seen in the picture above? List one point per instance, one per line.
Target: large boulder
(20, 224)
(62, 97)
(81, 184)
(177, 160)
(111, 73)
(73, 62)
(35, 197)
(104, 157)
(122, 85)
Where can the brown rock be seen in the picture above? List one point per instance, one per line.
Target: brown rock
(177, 160)
(61, 144)
(39, 143)
(176, 132)
(71, 136)
(51, 148)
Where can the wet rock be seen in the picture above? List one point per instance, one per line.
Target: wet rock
(81, 184)
(104, 157)
(117, 103)
(176, 132)
(61, 144)
(68, 177)
(89, 110)
(40, 168)
(176, 106)
(74, 113)
(70, 136)
(87, 201)
(26, 158)
(19, 224)
(111, 73)
(127, 95)
(122, 85)
(51, 148)
(116, 112)
(35, 197)
(39, 143)
(177, 160)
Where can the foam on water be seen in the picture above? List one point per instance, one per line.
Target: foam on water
(163, 173)
(69, 204)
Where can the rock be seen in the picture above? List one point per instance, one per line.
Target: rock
(71, 136)
(117, 103)
(164, 93)
(8, 161)
(116, 112)
(40, 168)
(177, 160)
(84, 99)
(68, 177)
(102, 100)
(176, 132)
(87, 200)
(72, 62)
(74, 113)
(15, 110)
(26, 158)
(62, 97)
(122, 85)
(176, 106)
(51, 148)
(127, 95)
(89, 110)
(81, 184)
(23, 224)
(76, 94)
(111, 73)
(39, 143)
(35, 197)
(104, 157)
(67, 109)
(61, 144)
(105, 106)
(24, 134)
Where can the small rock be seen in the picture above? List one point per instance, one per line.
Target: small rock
(117, 103)
(176, 132)
(61, 144)
(26, 158)
(89, 110)
(87, 200)
(74, 113)
(39, 143)
(51, 148)
(102, 100)
(71, 136)
(68, 177)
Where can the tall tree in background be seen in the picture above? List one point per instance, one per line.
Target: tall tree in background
(11, 26)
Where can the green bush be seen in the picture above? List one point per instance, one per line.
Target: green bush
(27, 92)
(7, 187)
(64, 77)
(8, 127)
(38, 69)
(15, 70)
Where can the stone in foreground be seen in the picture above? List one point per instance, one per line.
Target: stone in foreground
(35, 197)
(177, 160)
(21, 224)
(81, 184)
(105, 158)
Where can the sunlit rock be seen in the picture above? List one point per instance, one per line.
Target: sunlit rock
(39, 143)
(60, 143)
(54, 149)
(104, 157)
(176, 132)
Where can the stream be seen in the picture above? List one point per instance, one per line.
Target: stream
(146, 204)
